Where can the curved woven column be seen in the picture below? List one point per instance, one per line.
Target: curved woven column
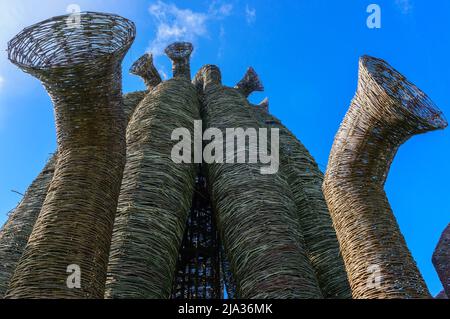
(250, 83)
(81, 70)
(16, 231)
(386, 111)
(256, 214)
(305, 180)
(179, 53)
(441, 259)
(155, 197)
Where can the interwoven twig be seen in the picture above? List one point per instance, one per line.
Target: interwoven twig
(81, 70)
(250, 83)
(441, 259)
(179, 53)
(305, 179)
(256, 214)
(16, 231)
(155, 197)
(228, 281)
(144, 68)
(198, 273)
(386, 111)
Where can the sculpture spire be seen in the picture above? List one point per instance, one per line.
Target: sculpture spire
(180, 53)
(145, 68)
(250, 83)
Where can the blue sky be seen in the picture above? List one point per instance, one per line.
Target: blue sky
(306, 53)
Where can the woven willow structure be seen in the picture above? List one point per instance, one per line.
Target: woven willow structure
(156, 192)
(113, 201)
(256, 213)
(15, 233)
(386, 111)
(250, 83)
(305, 180)
(81, 70)
(441, 259)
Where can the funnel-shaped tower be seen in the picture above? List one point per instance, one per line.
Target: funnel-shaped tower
(82, 74)
(386, 111)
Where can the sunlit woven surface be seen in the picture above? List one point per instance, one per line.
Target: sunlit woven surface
(16, 231)
(305, 181)
(81, 70)
(386, 111)
(155, 197)
(256, 214)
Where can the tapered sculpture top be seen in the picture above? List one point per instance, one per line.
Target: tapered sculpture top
(52, 48)
(79, 65)
(180, 53)
(441, 259)
(144, 68)
(208, 74)
(386, 111)
(250, 83)
(264, 105)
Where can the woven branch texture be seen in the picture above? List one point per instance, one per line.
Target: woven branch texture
(386, 111)
(81, 70)
(305, 180)
(441, 295)
(198, 267)
(155, 197)
(16, 231)
(256, 213)
(441, 259)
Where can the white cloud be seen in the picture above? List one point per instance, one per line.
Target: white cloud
(405, 6)
(220, 10)
(250, 15)
(2, 80)
(177, 24)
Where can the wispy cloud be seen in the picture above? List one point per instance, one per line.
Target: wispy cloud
(250, 15)
(2, 80)
(220, 10)
(176, 24)
(405, 6)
